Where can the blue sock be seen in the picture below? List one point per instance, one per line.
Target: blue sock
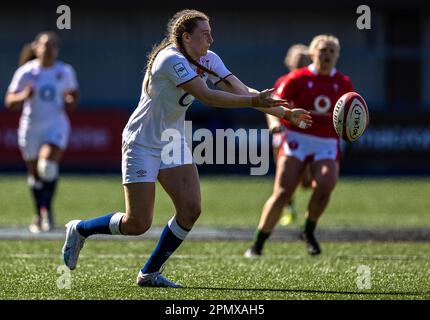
(170, 239)
(99, 225)
(48, 192)
(38, 198)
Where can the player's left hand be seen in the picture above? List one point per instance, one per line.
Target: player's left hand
(70, 100)
(300, 118)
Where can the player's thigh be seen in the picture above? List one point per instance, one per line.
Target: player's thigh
(307, 177)
(54, 140)
(29, 144)
(325, 173)
(183, 186)
(139, 203)
(289, 171)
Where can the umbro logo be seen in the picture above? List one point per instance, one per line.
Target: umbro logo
(141, 173)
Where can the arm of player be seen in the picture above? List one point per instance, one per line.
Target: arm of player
(298, 117)
(216, 98)
(71, 99)
(15, 100)
(273, 123)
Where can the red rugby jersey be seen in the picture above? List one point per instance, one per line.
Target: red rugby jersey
(305, 88)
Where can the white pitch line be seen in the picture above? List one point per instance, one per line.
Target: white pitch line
(205, 257)
(242, 233)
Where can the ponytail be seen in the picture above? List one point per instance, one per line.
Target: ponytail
(27, 54)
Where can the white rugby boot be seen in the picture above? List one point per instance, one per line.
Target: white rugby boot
(72, 245)
(46, 224)
(155, 279)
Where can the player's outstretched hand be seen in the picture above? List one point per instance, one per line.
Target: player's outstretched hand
(265, 100)
(300, 118)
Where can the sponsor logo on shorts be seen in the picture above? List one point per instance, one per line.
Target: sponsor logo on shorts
(141, 173)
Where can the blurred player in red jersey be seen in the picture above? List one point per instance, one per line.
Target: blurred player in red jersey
(316, 88)
(297, 57)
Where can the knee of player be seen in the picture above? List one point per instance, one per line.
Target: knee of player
(195, 209)
(326, 184)
(191, 210)
(281, 194)
(47, 169)
(135, 227)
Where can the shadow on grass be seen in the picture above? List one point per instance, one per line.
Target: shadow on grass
(396, 293)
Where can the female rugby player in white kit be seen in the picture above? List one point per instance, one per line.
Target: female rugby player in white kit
(177, 71)
(45, 87)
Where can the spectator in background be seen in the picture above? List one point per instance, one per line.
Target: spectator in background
(316, 88)
(297, 57)
(45, 88)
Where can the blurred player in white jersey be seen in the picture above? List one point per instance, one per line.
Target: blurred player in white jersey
(45, 88)
(177, 71)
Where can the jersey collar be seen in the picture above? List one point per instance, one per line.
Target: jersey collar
(313, 69)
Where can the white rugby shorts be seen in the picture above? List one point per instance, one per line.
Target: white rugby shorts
(142, 164)
(31, 138)
(278, 138)
(306, 147)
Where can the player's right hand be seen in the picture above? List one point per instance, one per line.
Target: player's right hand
(265, 100)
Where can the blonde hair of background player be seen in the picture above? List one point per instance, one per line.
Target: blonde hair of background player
(324, 50)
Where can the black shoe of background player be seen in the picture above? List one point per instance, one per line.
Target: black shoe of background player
(311, 243)
(253, 253)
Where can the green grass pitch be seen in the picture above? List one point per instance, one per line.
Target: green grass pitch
(217, 269)
(231, 201)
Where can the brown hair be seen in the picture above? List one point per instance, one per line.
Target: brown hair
(27, 51)
(297, 57)
(26, 54)
(181, 22)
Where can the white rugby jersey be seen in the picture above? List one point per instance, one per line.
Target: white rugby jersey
(49, 85)
(165, 106)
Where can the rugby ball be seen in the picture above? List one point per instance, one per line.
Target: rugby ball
(350, 116)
